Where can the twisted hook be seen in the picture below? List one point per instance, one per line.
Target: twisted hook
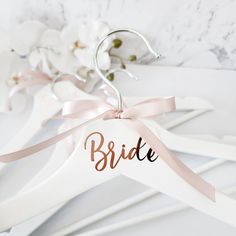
(100, 73)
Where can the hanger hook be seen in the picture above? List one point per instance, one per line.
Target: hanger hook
(98, 70)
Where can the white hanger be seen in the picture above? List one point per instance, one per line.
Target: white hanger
(39, 104)
(132, 200)
(195, 146)
(79, 167)
(198, 106)
(142, 218)
(59, 155)
(129, 202)
(28, 227)
(63, 186)
(46, 104)
(44, 107)
(136, 199)
(194, 105)
(175, 142)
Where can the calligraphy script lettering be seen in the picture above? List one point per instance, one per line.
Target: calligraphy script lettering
(103, 154)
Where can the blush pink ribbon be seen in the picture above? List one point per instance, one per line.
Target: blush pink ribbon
(30, 78)
(99, 110)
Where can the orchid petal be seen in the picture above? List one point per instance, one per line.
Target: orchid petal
(34, 59)
(85, 57)
(65, 63)
(51, 39)
(70, 35)
(104, 60)
(25, 36)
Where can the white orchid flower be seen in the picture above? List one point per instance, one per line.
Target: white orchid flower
(24, 41)
(39, 45)
(34, 46)
(26, 37)
(15, 48)
(57, 53)
(11, 67)
(16, 45)
(85, 39)
(72, 48)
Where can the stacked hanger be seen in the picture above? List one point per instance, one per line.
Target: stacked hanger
(79, 166)
(193, 106)
(45, 105)
(123, 205)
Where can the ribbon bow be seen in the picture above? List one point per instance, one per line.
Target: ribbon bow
(99, 110)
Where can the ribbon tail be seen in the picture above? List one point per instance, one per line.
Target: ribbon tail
(23, 153)
(174, 163)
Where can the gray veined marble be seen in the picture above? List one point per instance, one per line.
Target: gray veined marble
(193, 33)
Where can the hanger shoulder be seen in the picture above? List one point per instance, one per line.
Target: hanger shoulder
(195, 146)
(182, 103)
(44, 107)
(78, 174)
(58, 156)
(75, 176)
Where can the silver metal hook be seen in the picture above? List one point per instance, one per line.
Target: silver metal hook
(98, 70)
(75, 78)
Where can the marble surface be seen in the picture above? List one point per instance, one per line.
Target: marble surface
(192, 33)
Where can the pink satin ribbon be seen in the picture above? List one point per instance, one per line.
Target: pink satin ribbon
(99, 110)
(30, 78)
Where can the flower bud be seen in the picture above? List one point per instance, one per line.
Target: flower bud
(123, 66)
(111, 76)
(132, 58)
(116, 43)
